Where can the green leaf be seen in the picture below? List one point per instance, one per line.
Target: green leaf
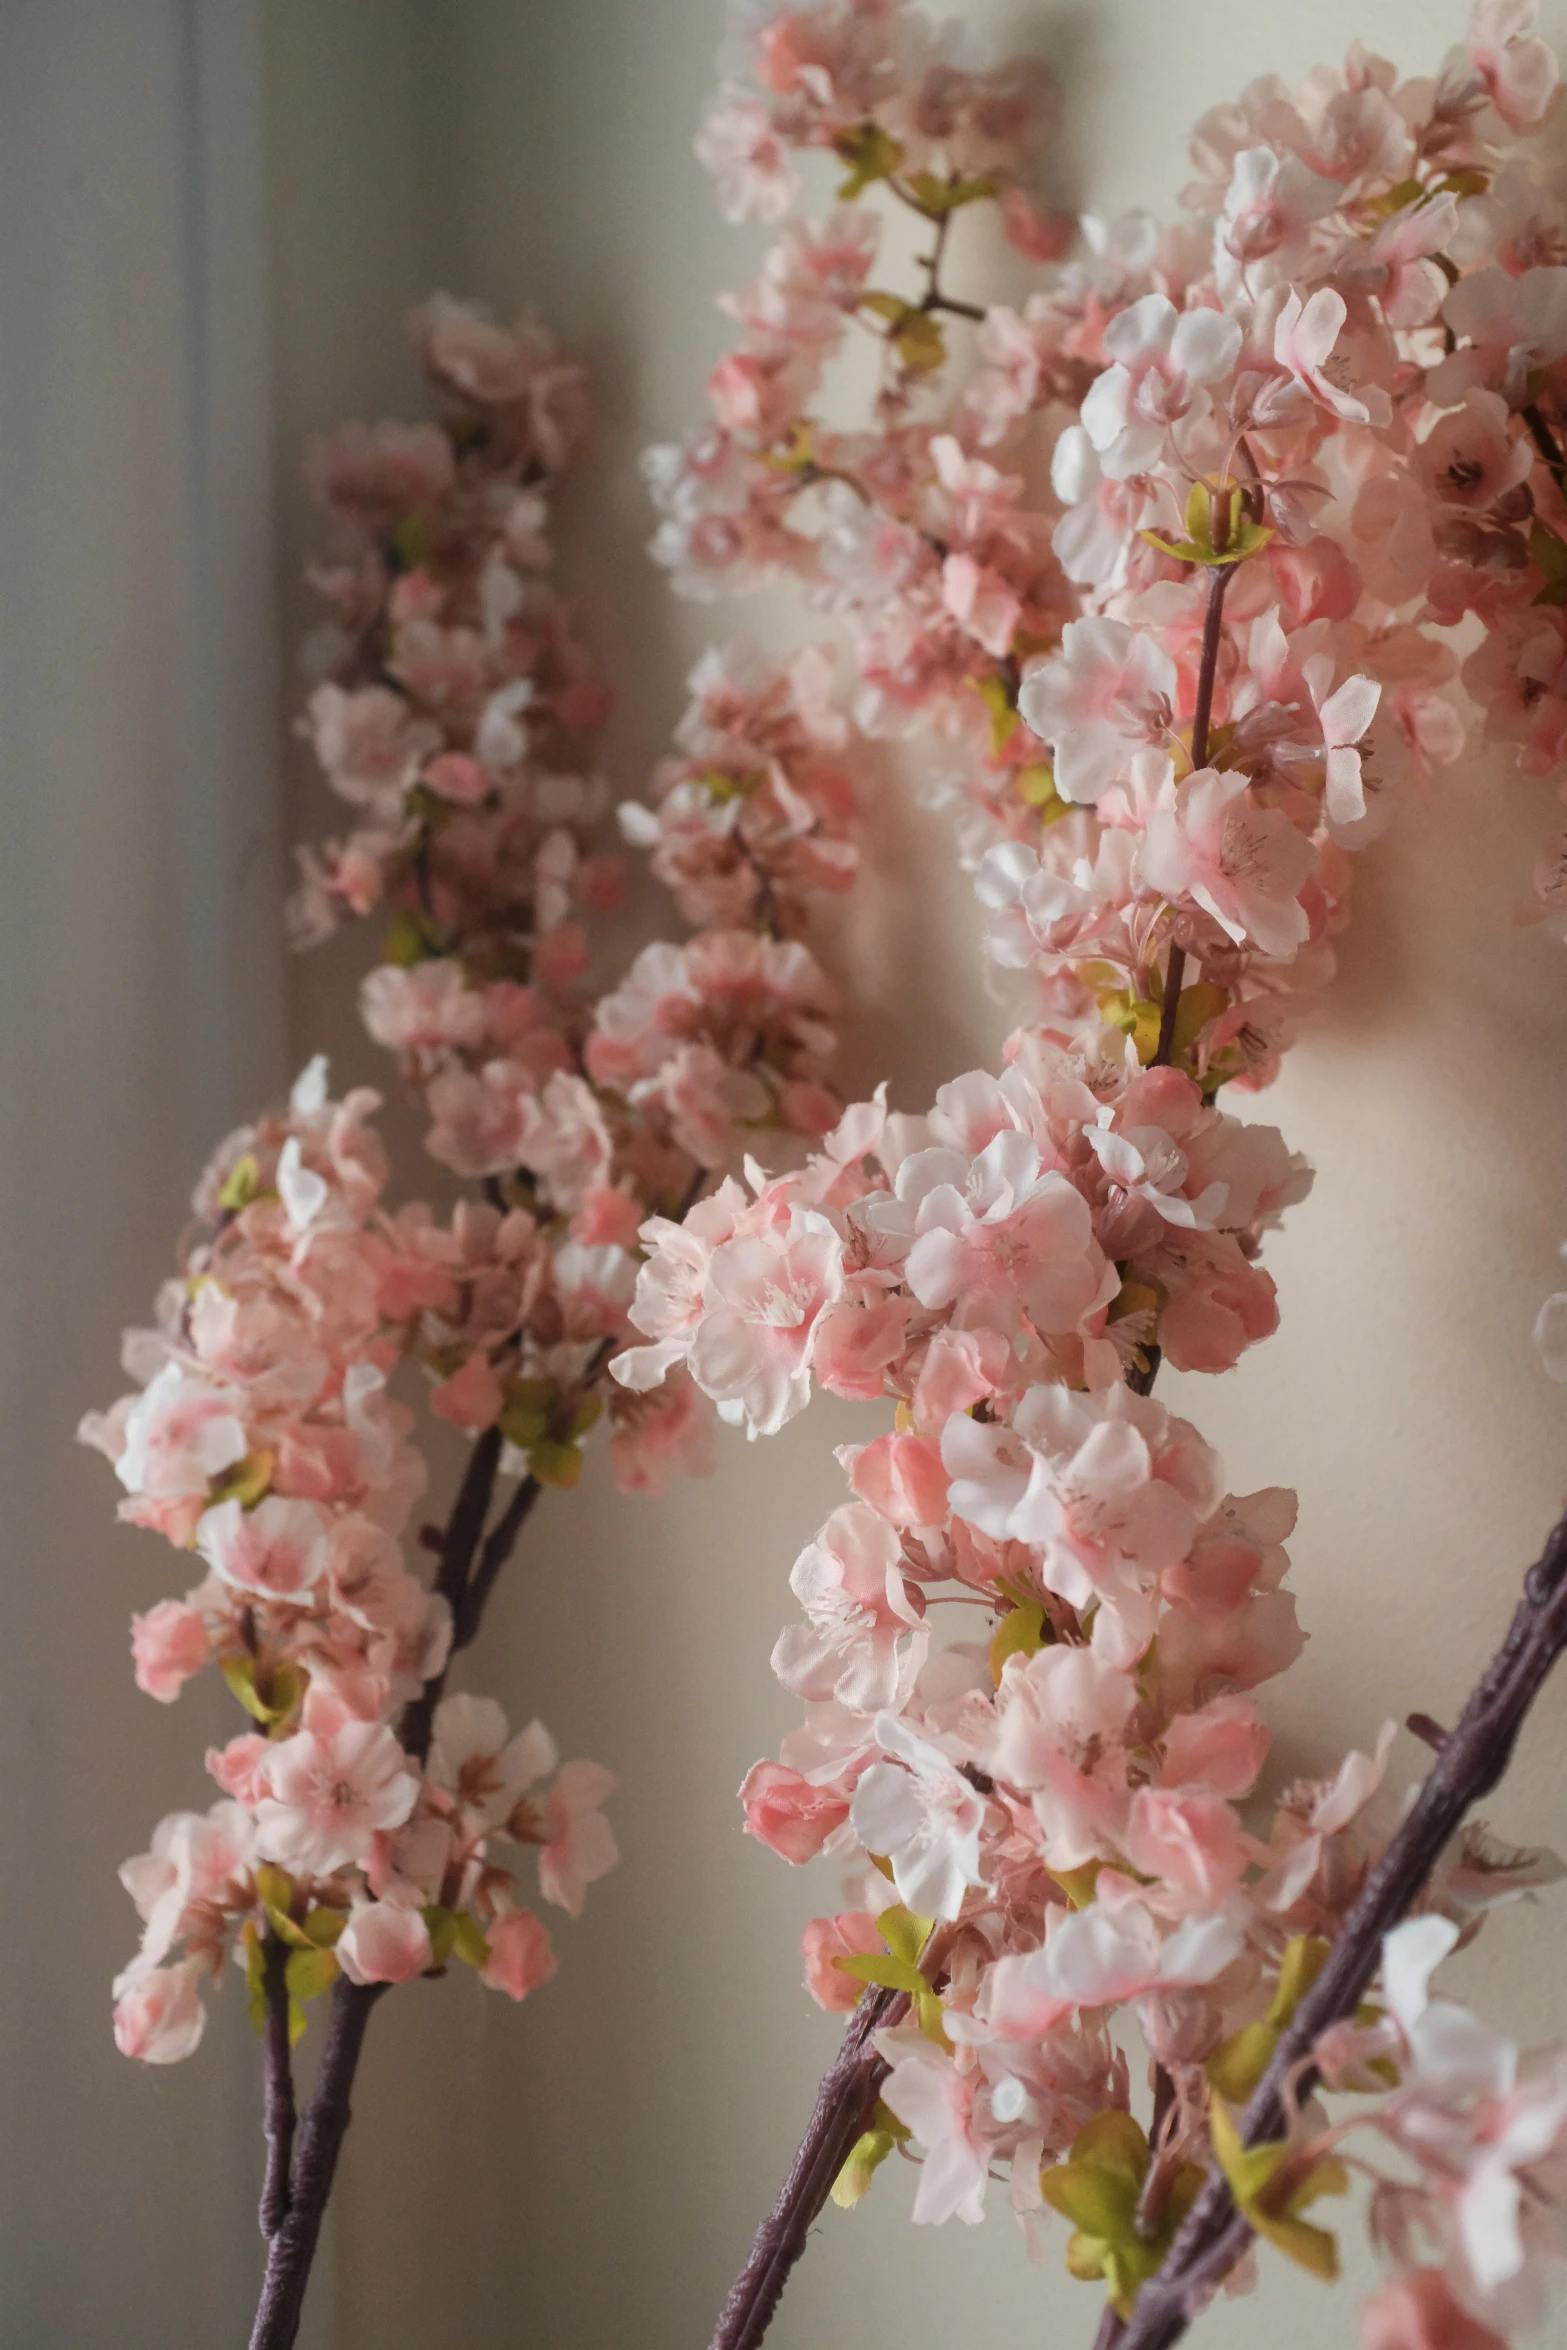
(529, 1408)
(920, 343)
(241, 1184)
(866, 2155)
(1020, 1632)
(411, 938)
(1036, 788)
(554, 1463)
(584, 1416)
(246, 1482)
(310, 1972)
(1136, 1016)
(1079, 1885)
(324, 1927)
(410, 542)
(1206, 542)
(876, 1966)
(1238, 2063)
(871, 154)
(267, 1694)
(468, 1941)
(1203, 1001)
(1305, 1956)
(442, 1926)
(1004, 720)
(904, 1931)
(1272, 2185)
(1550, 553)
(937, 197)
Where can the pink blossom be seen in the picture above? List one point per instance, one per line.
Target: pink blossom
(1520, 71)
(933, 2099)
(180, 1433)
(1472, 457)
(430, 1008)
(370, 744)
(522, 1958)
(329, 1793)
(487, 1770)
(579, 1845)
(825, 1940)
(752, 1349)
(749, 161)
(918, 1811)
(158, 2017)
(1111, 1493)
(787, 1814)
(1343, 716)
(169, 1643)
(1417, 2311)
(1191, 1845)
(1507, 326)
(1160, 357)
(1244, 864)
(1269, 208)
(999, 1232)
(194, 1857)
(278, 1549)
(471, 1397)
(981, 602)
(902, 1477)
(1305, 340)
(1109, 692)
(865, 1636)
(383, 1943)
(1115, 1951)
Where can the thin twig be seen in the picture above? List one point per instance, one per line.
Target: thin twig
(1545, 441)
(1472, 1759)
(1208, 668)
(464, 1531)
(498, 1547)
(277, 2107)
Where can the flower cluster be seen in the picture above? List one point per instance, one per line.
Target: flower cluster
(459, 714)
(1306, 455)
(455, 717)
(263, 1437)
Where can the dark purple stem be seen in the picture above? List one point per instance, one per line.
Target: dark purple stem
(292, 2248)
(843, 2106)
(1202, 715)
(1472, 1759)
(277, 2110)
(464, 1531)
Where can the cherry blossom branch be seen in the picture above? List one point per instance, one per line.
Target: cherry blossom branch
(843, 2102)
(1472, 1760)
(292, 2248)
(1207, 672)
(934, 297)
(277, 2113)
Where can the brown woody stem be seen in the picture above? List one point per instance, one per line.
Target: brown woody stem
(277, 2110)
(1472, 1759)
(843, 2105)
(1207, 672)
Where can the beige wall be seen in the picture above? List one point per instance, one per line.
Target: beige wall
(585, 2171)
